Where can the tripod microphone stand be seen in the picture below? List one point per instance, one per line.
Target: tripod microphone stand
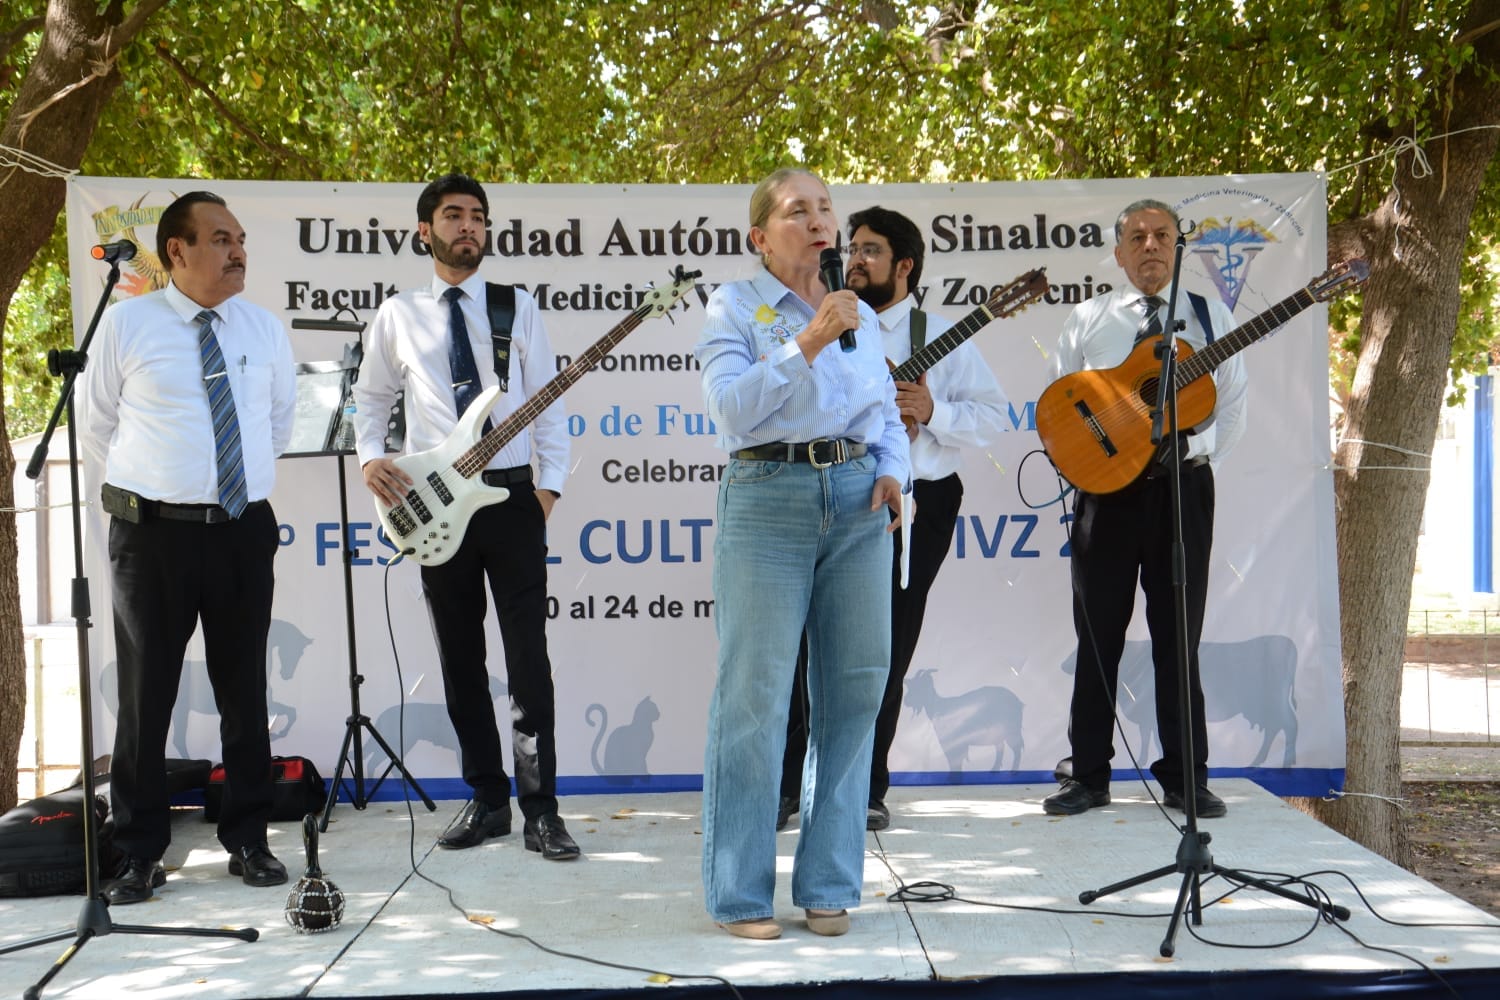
(94, 919)
(1193, 860)
(338, 443)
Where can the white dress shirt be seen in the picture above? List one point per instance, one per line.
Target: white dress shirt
(144, 409)
(1100, 333)
(969, 409)
(406, 347)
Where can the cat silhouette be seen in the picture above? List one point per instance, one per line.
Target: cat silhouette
(627, 746)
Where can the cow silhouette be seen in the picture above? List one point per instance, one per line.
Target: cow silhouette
(285, 644)
(985, 717)
(424, 722)
(1254, 678)
(626, 749)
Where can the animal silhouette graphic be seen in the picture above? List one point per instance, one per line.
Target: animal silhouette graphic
(425, 722)
(285, 644)
(987, 717)
(626, 749)
(1254, 678)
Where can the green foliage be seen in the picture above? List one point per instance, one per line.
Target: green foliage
(667, 91)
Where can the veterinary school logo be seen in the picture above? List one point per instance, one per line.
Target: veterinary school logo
(1226, 249)
(144, 272)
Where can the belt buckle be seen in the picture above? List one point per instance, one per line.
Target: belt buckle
(838, 452)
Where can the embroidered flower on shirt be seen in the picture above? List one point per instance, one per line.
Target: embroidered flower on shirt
(765, 315)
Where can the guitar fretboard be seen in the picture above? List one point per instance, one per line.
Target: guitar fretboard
(1210, 357)
(474, 461)
(931, 353)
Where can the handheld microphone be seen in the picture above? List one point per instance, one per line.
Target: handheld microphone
(831, 265)
(119, 250)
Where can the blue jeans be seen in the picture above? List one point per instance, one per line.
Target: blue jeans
(795, 546)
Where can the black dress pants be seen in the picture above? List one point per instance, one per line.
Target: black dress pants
(937, 504)
(167, 577)
(1120, 539)
(506, 544)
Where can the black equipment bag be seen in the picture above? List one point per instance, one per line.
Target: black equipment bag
(41, 845)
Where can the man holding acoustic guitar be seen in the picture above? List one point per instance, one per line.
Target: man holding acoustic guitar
(426, 341)
(1123, 532)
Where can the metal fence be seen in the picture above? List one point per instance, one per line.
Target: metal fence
(1450, 691)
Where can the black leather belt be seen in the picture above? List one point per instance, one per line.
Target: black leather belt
(197, 513)
(820, 453)
(1156, 470)
(506, 477)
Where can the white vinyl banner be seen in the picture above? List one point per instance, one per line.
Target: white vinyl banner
(631, 542)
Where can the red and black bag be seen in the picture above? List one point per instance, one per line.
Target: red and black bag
(298, 789)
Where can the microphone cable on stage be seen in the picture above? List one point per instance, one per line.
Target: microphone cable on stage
(657, 975)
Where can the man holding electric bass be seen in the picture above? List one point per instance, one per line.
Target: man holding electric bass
(1123, 533)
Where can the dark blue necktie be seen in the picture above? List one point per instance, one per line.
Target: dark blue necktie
(465, 372)
(228, 455)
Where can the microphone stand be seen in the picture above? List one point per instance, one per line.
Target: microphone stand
(357, 722)
(1193, 860)
(94, 919)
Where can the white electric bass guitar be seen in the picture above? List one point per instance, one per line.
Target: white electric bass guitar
(430, 521)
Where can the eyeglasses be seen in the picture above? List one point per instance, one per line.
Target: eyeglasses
(869, 251)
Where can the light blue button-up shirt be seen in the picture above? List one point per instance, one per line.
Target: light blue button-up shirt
(759, 389)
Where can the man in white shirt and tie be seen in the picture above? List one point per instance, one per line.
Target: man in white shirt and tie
(437, 343)
(1123, 538)
(186, 401)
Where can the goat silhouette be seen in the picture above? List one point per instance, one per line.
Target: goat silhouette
(985, 717)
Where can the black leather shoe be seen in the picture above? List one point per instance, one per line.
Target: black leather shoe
(476, 824)
(1075, 798)
(877, 816)
(134, 884)
(1210, 806)
(547, 836)
(255, 865)
(784, 811)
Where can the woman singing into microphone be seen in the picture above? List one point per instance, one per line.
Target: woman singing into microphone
(817, 452)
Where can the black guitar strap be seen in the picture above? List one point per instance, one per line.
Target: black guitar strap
(500, 303)
(1200, 309)
(918, 329)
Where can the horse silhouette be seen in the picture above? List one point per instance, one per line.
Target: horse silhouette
(285, 645)
(987, 717)
(1254, 678)
(627, 747)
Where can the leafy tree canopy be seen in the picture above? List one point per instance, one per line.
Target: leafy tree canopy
(637, 91)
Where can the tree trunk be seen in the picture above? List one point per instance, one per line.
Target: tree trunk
(1415, 245)
(53, 117)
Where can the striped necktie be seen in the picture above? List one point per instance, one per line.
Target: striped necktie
(227, 452)
(1151, 322)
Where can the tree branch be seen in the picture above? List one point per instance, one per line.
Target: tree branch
(277, 152)
(11, 40)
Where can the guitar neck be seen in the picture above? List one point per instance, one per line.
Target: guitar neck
(473, 461)
(1210, 357)
(913, 367)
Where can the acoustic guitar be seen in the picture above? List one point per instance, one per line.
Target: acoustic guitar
(1096, 425)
